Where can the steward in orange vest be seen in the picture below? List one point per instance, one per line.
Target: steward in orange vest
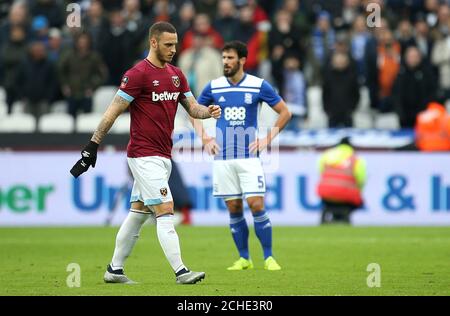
(433, 128)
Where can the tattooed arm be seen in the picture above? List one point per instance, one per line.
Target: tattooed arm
(117, 106)
(198, 111)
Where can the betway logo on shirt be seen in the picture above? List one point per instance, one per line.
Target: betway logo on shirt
(164, 96)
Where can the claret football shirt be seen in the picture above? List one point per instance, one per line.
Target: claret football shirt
(154, 94)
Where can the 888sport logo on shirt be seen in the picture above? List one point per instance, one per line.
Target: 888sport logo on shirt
(235, 115)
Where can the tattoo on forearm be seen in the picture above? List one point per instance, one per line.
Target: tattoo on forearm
(194, 110)
(200, 112)
(102, 129)
(118, 105)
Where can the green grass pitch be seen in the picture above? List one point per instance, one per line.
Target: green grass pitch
(328, 260)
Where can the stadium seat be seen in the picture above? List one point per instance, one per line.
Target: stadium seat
(362, 119)
(56, 123)
(364, 100)
(87, 122)
(122, 124)
(102, 98)
(59, 107)
(3, 108)
(387, 121)
(18, 107)
(2, 94)
(18, 123)
(316, 115)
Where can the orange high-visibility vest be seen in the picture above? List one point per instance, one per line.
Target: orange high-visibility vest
(433, 128)
(338, 183)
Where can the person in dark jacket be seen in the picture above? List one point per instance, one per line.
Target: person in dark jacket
(340, 90)
(81, 71)
(37, 80)
(12, 55)
(414, 87)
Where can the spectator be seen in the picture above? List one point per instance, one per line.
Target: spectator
(116, 48)
(183, 18)
(422, 38)
(321, 45)
(300, 19)
(201, 63)
(443, 21)
(18, 16)
(226, 21)
(247, 33)
(37, 94)
(12, 55)
(340, 91)
(40, 28)
(208, 7)
(414, 88)
(162, 11)
(431, 12)
(351, 11)
(137, 26)
(283, 40)
(359, 39)
(294, 91)
(259, 17)
(81, 71)
(202, 24)
(433, 128)
(440, 58)
(389, 58)
(94, 22)
(342, 178)
(55, 45)
(404, 35)
(51, 9)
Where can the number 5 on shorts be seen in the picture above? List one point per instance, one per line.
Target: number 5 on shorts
(260, 182)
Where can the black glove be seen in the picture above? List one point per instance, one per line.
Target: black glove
(89, 157)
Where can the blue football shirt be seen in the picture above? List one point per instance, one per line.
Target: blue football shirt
(238, 125)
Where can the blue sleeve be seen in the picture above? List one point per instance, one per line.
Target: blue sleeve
(206, 97)
(268, 94)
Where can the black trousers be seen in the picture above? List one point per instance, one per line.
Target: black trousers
(334, 212)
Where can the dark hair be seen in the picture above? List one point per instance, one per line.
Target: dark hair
(345, 141)
(238, 46)
(160, 27)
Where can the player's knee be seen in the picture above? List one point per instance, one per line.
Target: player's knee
(163, 209)
(256, 204)
(235, 206)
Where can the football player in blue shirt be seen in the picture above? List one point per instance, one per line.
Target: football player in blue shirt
(237, 169)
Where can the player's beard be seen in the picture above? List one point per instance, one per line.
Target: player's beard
(162, 58)
(230, 72)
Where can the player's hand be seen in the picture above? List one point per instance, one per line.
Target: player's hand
(211, 146)
(215, 111)
(88, 158)
(259, 145)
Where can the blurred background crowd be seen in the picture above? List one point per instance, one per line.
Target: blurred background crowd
(399, 66)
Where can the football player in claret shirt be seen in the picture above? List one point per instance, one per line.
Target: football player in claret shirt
(152, 90)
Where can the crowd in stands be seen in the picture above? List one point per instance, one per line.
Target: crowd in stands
(402, 58)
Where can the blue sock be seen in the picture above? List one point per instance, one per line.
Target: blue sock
(239, 231)
(263, 229)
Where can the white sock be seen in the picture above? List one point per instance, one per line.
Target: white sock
(127, 236)
(168, 239)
